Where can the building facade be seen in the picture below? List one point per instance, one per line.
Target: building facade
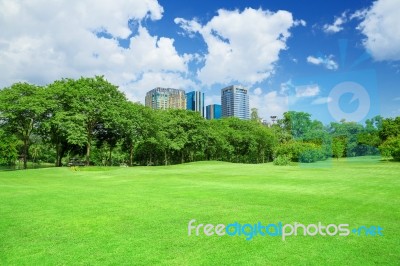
(195, 102)
(235, 102)
(166, 98)
(213, 111)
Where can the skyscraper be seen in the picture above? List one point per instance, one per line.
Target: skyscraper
(195, 102)
(213, 111)
(235, 102)
(165, 98)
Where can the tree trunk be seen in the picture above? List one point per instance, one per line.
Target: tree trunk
(25, 153)
(110, 156)
(57, 154)
(88, 153)
(165, 157)
(131, 154)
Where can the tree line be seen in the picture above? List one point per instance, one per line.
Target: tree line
(90, 119)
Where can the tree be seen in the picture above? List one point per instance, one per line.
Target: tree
(58, 128)
(348, 131)
(391, 147)
(254, 115)
(297, 123)
(138, 124)
(390, 128)
(338, 147)
(22, 108)
(91, 101)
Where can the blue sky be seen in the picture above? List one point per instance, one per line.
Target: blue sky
(333, 59)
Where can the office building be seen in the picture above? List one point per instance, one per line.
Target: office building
(166, 98)
(213, 111)
(235, 102)
(195, 102)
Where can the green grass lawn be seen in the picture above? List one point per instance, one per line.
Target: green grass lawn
(140, 215)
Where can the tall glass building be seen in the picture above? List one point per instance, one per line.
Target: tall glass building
(195, 102)
(213, 111)
(165, 98)
(235, 102)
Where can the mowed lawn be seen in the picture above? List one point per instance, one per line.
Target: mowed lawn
(140, 215)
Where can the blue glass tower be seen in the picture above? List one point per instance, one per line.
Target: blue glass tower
(213, 111)
(195, 102)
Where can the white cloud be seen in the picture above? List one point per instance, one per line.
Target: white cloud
(380, 25)
(242, 46)
(257, 91)
(321, 100)
(136, 91)
(268, 104)
(307, 90)
(326, 61)
(41, 41)
(337, 24)
(286, 86)
(300, 23)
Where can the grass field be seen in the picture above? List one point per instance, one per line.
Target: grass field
(140, 215)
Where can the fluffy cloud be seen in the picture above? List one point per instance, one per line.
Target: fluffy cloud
(136, 91)
(242, 46)
(326, 61)
(268, 104)
(380, 26)
(257, 91)
(41, 41)
(337, 24)
(307, 91)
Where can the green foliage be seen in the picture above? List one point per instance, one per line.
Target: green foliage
(391, 148)
(90, 118)
(9, 145)
(390, 128)
(282, 160)
(22, 106)
(338, 147)
(299, 151)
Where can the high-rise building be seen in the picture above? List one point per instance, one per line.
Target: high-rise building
(165, 98)
(195, 102)
(213, 111)
(235, 102)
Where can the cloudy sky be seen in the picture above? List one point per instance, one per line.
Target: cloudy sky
(333, 59)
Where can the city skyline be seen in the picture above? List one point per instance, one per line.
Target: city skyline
(234, 102)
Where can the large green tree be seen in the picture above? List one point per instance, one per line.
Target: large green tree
(91, 101)
(22, 107)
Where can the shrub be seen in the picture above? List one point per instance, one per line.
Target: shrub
(391, 147)
(282, 160)
(310, 156)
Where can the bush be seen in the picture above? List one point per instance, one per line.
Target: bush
(391, 147)
(304, 152)
(282, 160)
(310, 156)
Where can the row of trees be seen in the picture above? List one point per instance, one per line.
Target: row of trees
(89, 118)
